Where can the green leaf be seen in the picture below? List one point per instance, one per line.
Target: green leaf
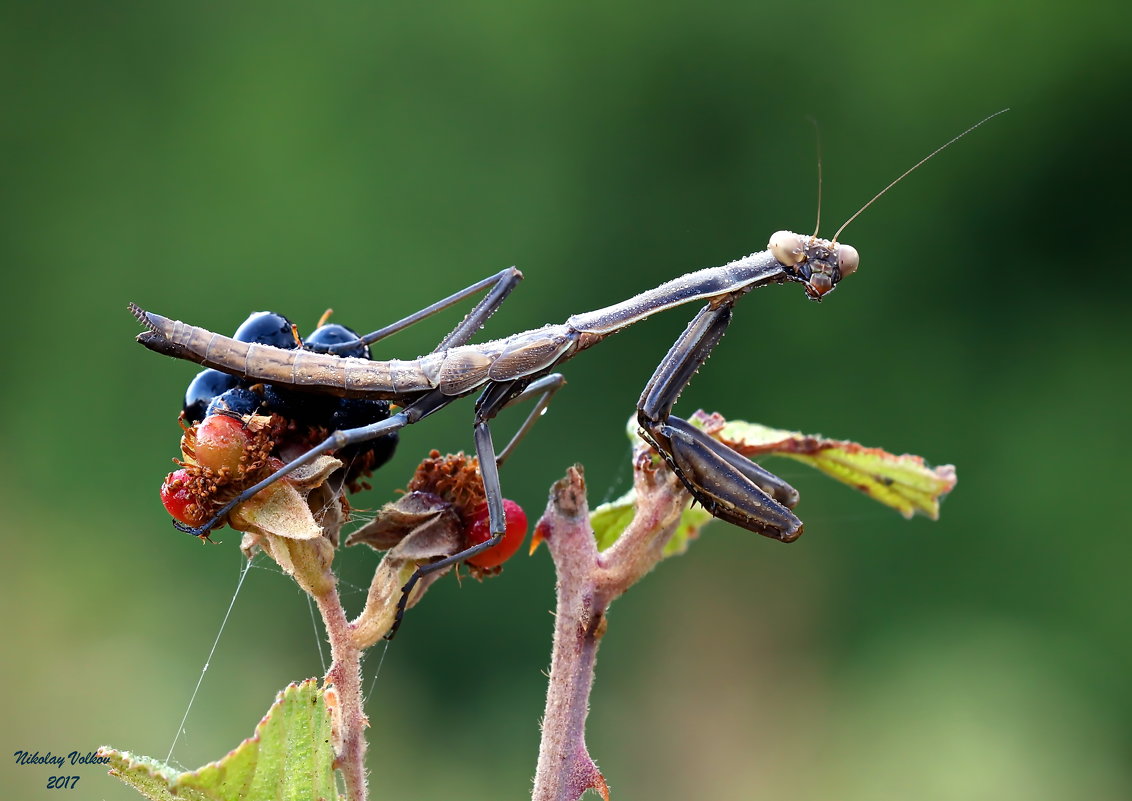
(610, 519)
(904, 482)
(289, 758)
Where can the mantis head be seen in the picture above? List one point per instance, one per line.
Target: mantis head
(818, 264)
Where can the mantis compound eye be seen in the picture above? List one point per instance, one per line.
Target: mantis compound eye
(788, 248)
(847, 259)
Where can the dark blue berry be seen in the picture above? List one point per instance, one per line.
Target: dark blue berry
(357, 412)
(314, 408)
(238, 401)
(311, 408)
(267, 328)
(333, 334)
(363, 457)
(202, 389)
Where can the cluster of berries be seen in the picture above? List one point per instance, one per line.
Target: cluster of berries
(235, 432)
(235, 426)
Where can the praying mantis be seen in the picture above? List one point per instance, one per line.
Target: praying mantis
(523, 367)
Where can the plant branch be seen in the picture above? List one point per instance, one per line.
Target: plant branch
(588, 582)
(345, 700)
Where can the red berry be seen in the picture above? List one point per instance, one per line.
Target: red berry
(479, 531)
(221, 442)
(177, 498)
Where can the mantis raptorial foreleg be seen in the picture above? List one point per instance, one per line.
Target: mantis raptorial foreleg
(727, 484)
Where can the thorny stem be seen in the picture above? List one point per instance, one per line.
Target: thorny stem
(345, 674)
(588, 582)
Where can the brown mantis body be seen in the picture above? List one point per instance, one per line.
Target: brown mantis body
(521, 366)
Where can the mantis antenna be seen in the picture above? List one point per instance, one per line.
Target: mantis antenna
(817, 137)
(905, 174)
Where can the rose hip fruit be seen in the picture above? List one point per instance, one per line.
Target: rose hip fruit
(178, 501)
(479, 531)
(221, 442)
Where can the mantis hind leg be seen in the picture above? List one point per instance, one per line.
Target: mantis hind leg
(494, 399)
(727, 484)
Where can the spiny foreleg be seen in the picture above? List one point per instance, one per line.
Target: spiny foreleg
(727, 484)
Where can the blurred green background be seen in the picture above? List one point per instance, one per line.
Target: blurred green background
(206, 161)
